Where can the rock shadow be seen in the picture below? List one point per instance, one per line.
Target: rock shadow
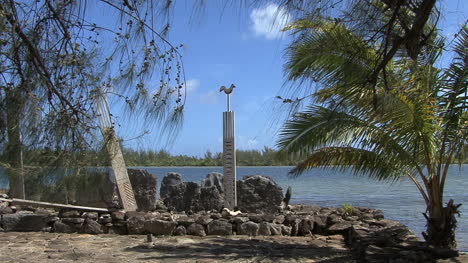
(257, 249)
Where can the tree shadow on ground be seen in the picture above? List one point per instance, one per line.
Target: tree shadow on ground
(232, 249)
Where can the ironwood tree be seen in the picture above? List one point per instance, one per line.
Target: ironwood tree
(54, 55)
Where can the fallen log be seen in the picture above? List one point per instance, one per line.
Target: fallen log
(16, 201)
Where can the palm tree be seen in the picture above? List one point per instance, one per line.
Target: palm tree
(413, 123)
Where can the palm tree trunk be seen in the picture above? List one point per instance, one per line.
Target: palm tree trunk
(14, 148)
(441, 221)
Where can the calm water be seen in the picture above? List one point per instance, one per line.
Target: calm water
(400, 201)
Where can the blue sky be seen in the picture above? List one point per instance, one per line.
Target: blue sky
(242, 46)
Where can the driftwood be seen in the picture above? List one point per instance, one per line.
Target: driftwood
(16, 201)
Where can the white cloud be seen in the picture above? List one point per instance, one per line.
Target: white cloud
(210, 97)
(269, 20)
(192, 85)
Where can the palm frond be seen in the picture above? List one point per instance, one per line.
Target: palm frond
(328, 53)
(360, 161)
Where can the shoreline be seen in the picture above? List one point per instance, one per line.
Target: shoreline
(298, 234)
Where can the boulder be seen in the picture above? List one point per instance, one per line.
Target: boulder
(160, 227)
(168, 181)
(279, 219)
(69, 213)
(184, 196)
(286, 230)
(144, 187)
(306, 227)
(295, 225)
(214, 180)
(219, 227)
(275, 229)
(264, 229)
(118, 215)
(320, 224)
(75, 220)
(339, 228)
(91, 227)
(95, 189)
(211, 198)
(248, 228)
(204, 220)
(60, 227)
(160, 205)
(105, 219)
(5, 210)
(258, 193)
(378, 214)
(196, 230)
(180, 231)
(23, 222)
(136, 225)
(238, 220)
(90, 215)
(185, 221)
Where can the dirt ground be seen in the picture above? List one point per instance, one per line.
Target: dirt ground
(58, 247)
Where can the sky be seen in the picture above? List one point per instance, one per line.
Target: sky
(243, 46)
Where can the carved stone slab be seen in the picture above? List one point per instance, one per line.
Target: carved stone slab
(229, 160)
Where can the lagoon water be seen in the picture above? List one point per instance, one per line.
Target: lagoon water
(324, 187)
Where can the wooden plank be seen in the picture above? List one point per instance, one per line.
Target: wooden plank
(120, 171)
(16, 201)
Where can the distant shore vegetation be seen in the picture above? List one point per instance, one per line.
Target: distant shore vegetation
(265, 157)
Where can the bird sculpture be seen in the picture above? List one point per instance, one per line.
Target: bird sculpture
(227, 91)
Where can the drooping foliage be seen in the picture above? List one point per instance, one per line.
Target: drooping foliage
(55, 55)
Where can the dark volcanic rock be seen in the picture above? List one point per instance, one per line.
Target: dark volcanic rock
(168, 181)
(258, 193)
(60, 227)
(264, 229)
(211, 198)
(95, 189)
(91, 227)
(184, 196)
(286, 230)
(248, 228)
(69, 213)
(118, 215)
(160, 227)
(73, 220)
(340, 228)
(136, 225)
(90, 215)
(180, 231)
(23, 222)
(144, 186)
(5, 210)
(185, 221)
(275, 229)
(219, 227)
(196, 230)
(214, 179)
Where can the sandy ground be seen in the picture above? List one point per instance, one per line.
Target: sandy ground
(58, 247)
